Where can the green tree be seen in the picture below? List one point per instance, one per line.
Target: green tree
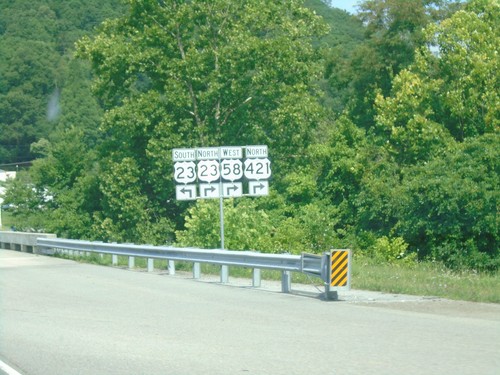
(27, 78)
(345, 34)
(407, 120)
(448, 209)
(439, 128)
(220, 68)
(252, 225)
(393, 31)
(47, 111)
(464, 59)
(29, 201)
(39, 84)
(201, 73)
(246, 226)
(451, 92)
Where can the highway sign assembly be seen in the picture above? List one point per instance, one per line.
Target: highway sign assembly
(221, 172)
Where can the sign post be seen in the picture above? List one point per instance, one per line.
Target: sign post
(221, 172)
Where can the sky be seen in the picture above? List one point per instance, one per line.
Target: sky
(348, 5)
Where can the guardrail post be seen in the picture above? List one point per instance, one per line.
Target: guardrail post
(196, 270)
(286, 282)
(171, 267)
(151, 265)
(114, 259)
(224, 274)
(331, 295)
(131, 262)
(256, 277)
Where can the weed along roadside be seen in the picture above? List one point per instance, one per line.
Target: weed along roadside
(333, 267)
(426, 279)
(430, 279)
(419, 279)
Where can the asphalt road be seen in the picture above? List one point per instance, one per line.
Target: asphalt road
(62, 317)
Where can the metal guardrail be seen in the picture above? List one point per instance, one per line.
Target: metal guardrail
(317, 265)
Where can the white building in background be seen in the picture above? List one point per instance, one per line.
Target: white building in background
(4, 175)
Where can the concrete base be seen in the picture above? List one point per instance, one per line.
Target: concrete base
(22, 241)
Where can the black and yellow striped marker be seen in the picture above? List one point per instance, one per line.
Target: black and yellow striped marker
(339, 273)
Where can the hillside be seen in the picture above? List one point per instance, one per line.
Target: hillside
(346, 31)
(40, 84)
(42, 88)
(372, 143)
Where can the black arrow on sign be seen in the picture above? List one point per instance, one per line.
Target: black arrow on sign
(211, 189)
(184, 191)
(260, 187)
(231, 188)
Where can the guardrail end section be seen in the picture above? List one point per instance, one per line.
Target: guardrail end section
(339, 273)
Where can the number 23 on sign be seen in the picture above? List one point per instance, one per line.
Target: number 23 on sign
(208, 170)
(185, 172)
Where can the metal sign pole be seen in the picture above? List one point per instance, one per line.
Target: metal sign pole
(198, 169)
(221, 207)
(221, 211)
(1, 202)
(224, 271)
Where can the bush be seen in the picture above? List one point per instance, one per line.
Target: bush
(449, 206)
(392, 250)
(465, 256)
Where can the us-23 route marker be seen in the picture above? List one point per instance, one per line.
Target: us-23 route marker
(214, 172)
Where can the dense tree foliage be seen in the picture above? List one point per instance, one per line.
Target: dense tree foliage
(393, 31)
(382, 129)
(41, 86)
(439, 128)
(196, 74)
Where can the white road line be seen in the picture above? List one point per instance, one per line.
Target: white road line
(7, 369)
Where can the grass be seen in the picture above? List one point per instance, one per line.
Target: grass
(181, 266)
(427, 279)
(424, 278)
